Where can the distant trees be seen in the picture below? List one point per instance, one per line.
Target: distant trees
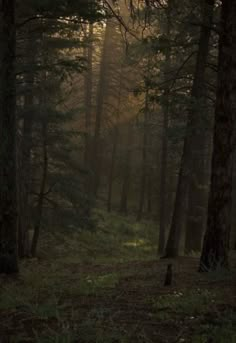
(120, 114)
(191, 92)
(29, 175)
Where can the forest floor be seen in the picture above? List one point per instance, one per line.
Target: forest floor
(67, 298)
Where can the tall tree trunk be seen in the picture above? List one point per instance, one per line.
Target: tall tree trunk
(198, 198)
(163, 179)
(164, 143)
(127, 171)
(24, 180)
(233, 212)
(88, 96)
(149, 191)
(96, 152)
(112, 168)
(144, 161)
(216, 240)
(8, 184)
(191, 138)
(39, 208)
(115, 143)
(198, 190)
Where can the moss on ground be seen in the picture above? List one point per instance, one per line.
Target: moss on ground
(106, 286)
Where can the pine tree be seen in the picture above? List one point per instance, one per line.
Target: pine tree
(216, 241)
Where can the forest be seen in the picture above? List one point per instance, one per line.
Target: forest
(117, 171)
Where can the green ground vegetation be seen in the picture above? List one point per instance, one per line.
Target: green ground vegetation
(106, 286)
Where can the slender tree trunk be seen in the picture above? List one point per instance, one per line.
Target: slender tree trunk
(39, 209)
(233, 212)
(127, 173)
(115, 143)
(144, 161)
(96, 153)
(180, 208)
(24, 180)
(181, 200)
(8, 184)
(88, 96)
(164, 143)
(197, 202)
(149, 191)
(24, 183)
(88, 89)
(216, 240)
(198, 198)
(163, 179)
(112, 169)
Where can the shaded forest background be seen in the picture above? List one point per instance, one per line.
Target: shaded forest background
(112, 105)
(117, 171)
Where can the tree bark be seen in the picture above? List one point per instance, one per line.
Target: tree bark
(216, 241)
(198, 198)
(191, 138)
(144, 161)
(115, 143)
(8, 183)
(39, 208)
(24, 157)
(96, 148)
(163, 179)
(88, 97)
(233, 212)
(112, 168)
(149, 191)
(127, 172)
(198, 190)
(164, 142)
(25, 179)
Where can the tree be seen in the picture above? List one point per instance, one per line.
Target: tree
(125, 187)
(143, 180)
(8, 184)
(88, 85)
(102, 86)
(25, 140)
(198, 179)
(216, 240)
(192, 137)
(115, 137)
(39, 206)
(45, 45)
(164, 140)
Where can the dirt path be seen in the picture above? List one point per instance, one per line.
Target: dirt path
(133, 306)
(141, 309)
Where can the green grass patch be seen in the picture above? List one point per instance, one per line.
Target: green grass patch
(202, 311)
(192, 303)
(115, 239)
(67, 294)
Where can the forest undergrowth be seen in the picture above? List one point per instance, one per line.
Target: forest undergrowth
(107, 286)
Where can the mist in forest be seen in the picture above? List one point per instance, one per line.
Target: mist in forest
(117, 171)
